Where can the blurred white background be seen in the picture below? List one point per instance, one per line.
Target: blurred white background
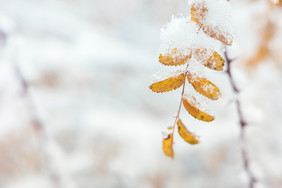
(87, 65)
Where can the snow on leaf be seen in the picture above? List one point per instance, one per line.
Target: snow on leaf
(167, 146)
(168, 84)
(175, 57)
(184, 34)
(210, 60)
(214, 32)
(185, 134)
(199, 14)
(191, 106)
(204, 86)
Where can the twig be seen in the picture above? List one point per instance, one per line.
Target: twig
(182, 94)
(243, 123)
(36, 123)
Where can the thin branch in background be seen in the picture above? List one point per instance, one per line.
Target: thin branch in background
(37, 124)
(243, 123)
(35, 121)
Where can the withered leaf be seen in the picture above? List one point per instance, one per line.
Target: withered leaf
(168, 84)
(198, 14)
(215, 61)
(204, 86)
(174, 57)
(170, 128)
(195, 112)
(185, 134)
(214, 32)
(167, 146)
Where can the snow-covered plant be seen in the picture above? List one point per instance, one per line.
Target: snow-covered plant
(195, 42)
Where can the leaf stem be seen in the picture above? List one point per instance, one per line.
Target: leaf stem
(37, 125)
(180, 104)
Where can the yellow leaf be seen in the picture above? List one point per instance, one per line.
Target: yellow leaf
(170, 128)
(191, 107)
(175, 57)
(167, 146)
(185, 134)
(215, 61)
(263, 51)
(198, 14)
(214, 32)
(168, 84)
(204, 86)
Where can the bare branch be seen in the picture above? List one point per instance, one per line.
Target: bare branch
(243, 123)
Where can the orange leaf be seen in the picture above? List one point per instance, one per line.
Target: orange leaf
(168, 84)
(214, 32)
(191, 107)
(204, 86)
(185, 134)
(170, 128)
(198, 14)
(215, 61)
(167, 146)
(175, 57)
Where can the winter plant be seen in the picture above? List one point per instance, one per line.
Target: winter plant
(199, 43)
(195, 42)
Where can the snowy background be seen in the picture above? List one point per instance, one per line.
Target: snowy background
(88, 65)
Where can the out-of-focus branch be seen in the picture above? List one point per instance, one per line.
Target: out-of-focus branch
(243, 123)
(35, 121)
(38, 126)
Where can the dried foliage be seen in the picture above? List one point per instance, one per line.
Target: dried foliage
(167, 146)
(209, 58)
(185, 134)
(168, 84)
(268, 32)
(263, 51)
(198, 13)
(203, 86)
(214, 62)
(191, 107)
(174, 58)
